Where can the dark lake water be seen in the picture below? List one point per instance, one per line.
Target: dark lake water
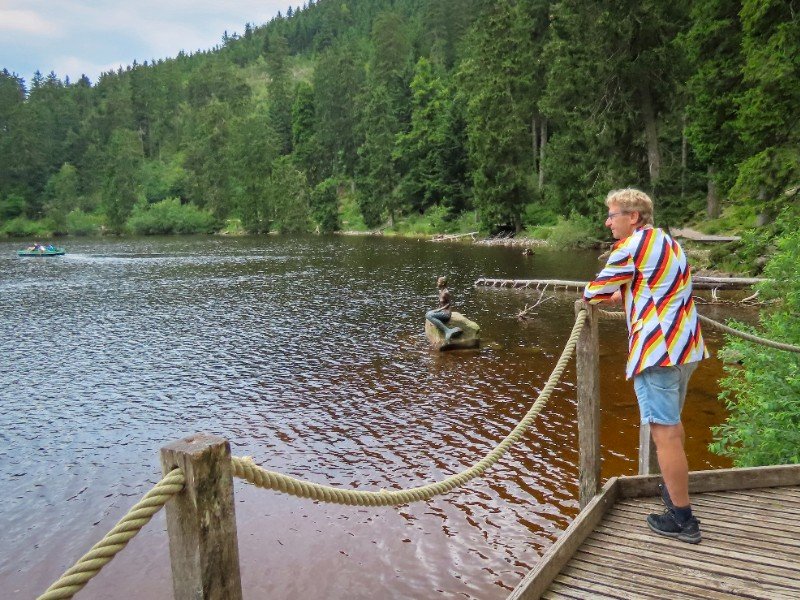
(309, 355)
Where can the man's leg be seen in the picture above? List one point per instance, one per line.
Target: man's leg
(672, 461)
(659, 391)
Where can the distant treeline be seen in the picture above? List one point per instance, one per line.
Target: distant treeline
(519, 112)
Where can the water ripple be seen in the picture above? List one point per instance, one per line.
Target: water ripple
(308, 354)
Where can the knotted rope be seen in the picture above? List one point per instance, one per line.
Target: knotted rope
(246, 469)
(722, 327)
(115, 540)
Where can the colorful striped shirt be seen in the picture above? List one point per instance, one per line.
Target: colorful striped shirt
(652, 271)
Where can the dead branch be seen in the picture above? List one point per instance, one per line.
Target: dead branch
(526, 313)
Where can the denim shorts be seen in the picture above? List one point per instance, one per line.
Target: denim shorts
(661, 392)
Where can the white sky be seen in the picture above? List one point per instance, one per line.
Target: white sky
(73, 37)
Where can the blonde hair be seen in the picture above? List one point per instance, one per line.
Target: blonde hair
(630, 200)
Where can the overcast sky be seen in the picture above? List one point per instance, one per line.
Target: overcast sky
(73, 37)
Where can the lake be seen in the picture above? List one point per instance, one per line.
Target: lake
(309, 355)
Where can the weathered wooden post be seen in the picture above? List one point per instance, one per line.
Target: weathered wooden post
(648, 460)
(201, 522)
(587, 361)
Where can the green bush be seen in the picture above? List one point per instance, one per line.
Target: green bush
(537, 215)
(575, 232)
(324, 206)
(170, 216)
(81, 223)
(761, 388)
(539, 232)
(748, 254)
(432, 221)
(12, 206)
(21, 227)
(350, 215)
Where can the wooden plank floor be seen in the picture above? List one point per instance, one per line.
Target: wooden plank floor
(750, 549)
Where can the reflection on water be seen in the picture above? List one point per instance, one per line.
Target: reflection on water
(309, 355)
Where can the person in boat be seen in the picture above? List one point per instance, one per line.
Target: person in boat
(648, 270)
(442, 314)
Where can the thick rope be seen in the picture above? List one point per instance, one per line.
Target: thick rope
(750, 337)
(115, 540)
(246, 469)
(745, 336)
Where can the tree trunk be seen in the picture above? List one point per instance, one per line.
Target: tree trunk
(651, 135)
(764, 216)
(534, 143)
(712, 198)
(542, 144)
(684, 153)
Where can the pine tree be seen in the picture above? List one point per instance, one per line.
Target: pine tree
(613, 98)
(497, 88)
(304, 139)
(338, 81)
(767, 119)
(376, 175)
(713, 47)
(280, 92)
(121, 190)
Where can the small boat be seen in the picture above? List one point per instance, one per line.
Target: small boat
(43, 251)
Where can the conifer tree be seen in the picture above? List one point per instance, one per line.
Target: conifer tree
(280, 92)
(767, 119)
(713, 47)
(497, 89)
(121, 189)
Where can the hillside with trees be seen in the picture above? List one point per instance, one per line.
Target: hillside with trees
(468, 114)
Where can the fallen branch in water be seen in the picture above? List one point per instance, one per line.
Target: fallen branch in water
(751, 300)
(526, 313)
(700, 283)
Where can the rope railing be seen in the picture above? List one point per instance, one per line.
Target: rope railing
(89, 565)
(246, 469)
(722, 327)
(749, 336)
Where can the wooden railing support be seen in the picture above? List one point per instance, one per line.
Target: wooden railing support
(587, 361)
(648, 459)
(201, 522)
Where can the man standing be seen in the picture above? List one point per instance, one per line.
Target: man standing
(649, 271)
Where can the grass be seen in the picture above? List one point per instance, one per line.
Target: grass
(734, 219)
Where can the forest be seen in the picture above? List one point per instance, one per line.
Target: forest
(451, 116)
(431, 116)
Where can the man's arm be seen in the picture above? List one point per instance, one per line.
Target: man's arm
(606, 286)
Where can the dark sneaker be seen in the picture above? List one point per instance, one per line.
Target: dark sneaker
(665, 496)
(666, 524)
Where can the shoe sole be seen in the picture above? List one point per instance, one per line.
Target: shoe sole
(689, 539)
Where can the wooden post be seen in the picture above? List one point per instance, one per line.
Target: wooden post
(648, 459)
(201, 523)
(587, 360)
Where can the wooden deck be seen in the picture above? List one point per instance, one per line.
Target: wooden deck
(750, 520)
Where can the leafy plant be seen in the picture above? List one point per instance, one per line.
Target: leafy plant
(12, 206)
(761, 388)
(82, 223)
(21, 227)
(575, 232)
(170, 216)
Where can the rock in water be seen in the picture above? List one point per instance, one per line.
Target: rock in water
(468, 339)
